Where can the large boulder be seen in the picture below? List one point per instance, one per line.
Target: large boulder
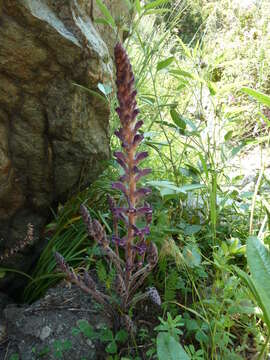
(53, 133)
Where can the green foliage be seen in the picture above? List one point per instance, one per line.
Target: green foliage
(104, 335)
(194, 66)
(171, 326)
(169, 348)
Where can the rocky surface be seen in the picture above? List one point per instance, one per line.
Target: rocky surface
(53, 134)
(45, 327)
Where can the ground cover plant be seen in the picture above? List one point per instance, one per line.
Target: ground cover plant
(204, 100)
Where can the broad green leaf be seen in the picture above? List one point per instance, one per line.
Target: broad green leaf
(191, 255)
(168, 188)
(192, 229)
(258, 258)
(86, 328)
(107, 335)
(178, 119)
(121, 336)
(111, 348)
(155, 4)
(236, 149)
(262, 98)
(168, 348)
(105, 11)
(258, 294)
(165, 63)
(228, 135)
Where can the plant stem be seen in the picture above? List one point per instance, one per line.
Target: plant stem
(264, 347)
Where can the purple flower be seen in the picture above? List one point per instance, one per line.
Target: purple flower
(142, 173)
(120, 186)
(141, 232)
(140, 247)
(142, 192)
(140, 156)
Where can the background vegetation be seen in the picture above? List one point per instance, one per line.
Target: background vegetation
(208, 143)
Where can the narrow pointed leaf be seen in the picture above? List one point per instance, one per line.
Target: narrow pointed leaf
(165, 63)
(105, 11)
(262, 98)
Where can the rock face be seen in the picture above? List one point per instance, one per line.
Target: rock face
(53, 133)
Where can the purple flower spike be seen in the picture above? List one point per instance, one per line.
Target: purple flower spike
(132, 258)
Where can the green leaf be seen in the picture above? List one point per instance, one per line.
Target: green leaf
(262, 98)
(192, 229)
(121, 336)
(228, 135)
(168, 348)
(111, 348)
(155, 4)
(258, 258)
(178, 119)
(102, 21)
(105, 11)
(168, 188)
(258, 294)
(165, 63)
(192, 256)
(138, 6)
(14, 357)
(107, 335)
(104, 88)
(181, 73)
(185, 48)
(92, 92)
(156, 11)
(86, 329)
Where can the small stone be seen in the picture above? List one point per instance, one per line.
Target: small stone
(45, 332)
(90, 343)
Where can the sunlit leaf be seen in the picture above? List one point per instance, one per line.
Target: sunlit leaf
(165, 63)
(155, 4)
(105, 11)
(262, 98)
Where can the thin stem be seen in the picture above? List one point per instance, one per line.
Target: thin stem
(264, 347)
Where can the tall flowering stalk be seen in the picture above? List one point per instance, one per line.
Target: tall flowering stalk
(132, 255)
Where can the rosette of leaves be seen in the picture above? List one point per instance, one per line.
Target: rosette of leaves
(131, 254)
